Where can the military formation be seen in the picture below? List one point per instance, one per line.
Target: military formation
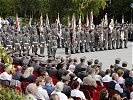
(84, 40)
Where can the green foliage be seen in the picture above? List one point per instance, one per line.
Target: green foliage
(10, 94)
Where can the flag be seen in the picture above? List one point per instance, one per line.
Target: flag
(80, 23)
(69, 23)
(47, 21)
(17, 23)
(111, 25)
(74, 27)
(87, 21)
(0, 22)
(122, 19)
(106, 20)
(30, 21)
(41, 23)
(91, 21)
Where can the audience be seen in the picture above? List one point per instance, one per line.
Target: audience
(116, 97)
(18, 74)
(120, 73)
(107, 77)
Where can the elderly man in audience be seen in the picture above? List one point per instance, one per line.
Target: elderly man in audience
(89, 79)
(58, 90)
(116, 86)
(31, 91)
(6, 74)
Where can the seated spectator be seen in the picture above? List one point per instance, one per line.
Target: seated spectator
(31, 91)
(36, 66)
(52, 70)
(131, 96)
(43, 67)
(62, 70)
(73, 77)
(28, 76)
(112, 69)
(76, 92)
(54, 97)
(101, 72)
(120, 73)
(83, 73)
(126, 71)
(58, 88)
(25, 64)
(107, 77)
(129, 81)
(44, 74)
(116, 97)
(71, 69)
(104, 94)
(6, 74)
(116, 86)
(18, 74)
(41, 93)
(89, 79)
(96, 76)
(66, 89)
(49, 86)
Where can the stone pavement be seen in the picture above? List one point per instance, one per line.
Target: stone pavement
(106, 57)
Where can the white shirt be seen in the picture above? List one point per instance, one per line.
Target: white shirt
(107, 78)
(61, 95)
(42, 94)
(118, 87)
(5, 76)
(77, 93)
(121, 80)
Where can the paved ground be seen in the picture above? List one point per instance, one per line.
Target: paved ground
(106, 57)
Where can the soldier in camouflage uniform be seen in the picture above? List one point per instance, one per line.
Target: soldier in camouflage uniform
(73, 41)
(125, 37)
(42, 43)
(26, 42)
(67, 41)
(88, 39)
(118, 38)
(101, 39)
(82, 43)
(49, 39)
(17, 42)
(122, 32)
(54, 46)
(114, 38)
(92, 42)
(78, 41)
(110, 40)
(34, 42)
(97, 33)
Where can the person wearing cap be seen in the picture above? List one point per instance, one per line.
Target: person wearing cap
(25, 56)
(25, 64)
(117, 63)
(43, 67)
(16, 58)
(89, 64)
(66, 88)
(129, 80)
(36, 66)
(83, 72)
(82, 63)
(53, 71)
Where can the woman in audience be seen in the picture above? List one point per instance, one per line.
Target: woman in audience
(73, 78)
(6, 74)
(97, 77)
(116, 97)
(31, 91)
(104, 95)
(120, 73)
(41, 93)
(28, 76)
(107, 77)
(76, 92)
(58, 88)
(44, 74)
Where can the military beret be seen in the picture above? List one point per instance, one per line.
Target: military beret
(99, 64)
(43, 62)
(90, 60)
(96, 61)
(32, 54)
(37, 59)
(124, 62)
(41, 55)
(118, 59)
(25, 52)
(66, 78)
(83, 58)
(25, 61)
(54, 62)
